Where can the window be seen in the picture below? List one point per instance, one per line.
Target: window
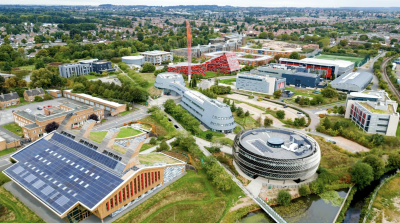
(34, 131)
(123, 193)
(40, 130)
(127, 191)
(108, 206)
(116, 202)
(152, 177)
(120, 197)
(142, 182)
(149, 179)
(159, 175)
(145, 179)
(134, 185)
(112, 203)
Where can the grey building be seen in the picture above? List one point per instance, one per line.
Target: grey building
(212, 113)
(263, 84)
(133, 60)
(84, 67)
(157, 56)
(301, 79)
(352, 82)
(373, 112)
(276, 154)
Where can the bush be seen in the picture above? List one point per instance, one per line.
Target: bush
(267, 122)
(377, 164)
(38, 99)
(148, 68)
(304, 190)
(51, 127)
(317, 187)
(214, 149)
(153, 141)
(163, 146)
(280, 114)
(284, 198)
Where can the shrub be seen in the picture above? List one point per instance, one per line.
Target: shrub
(267, 122)
(317, 187)
(304, 190)
(163, 146)
(209, 136)
(321, 115)
(251, 97)
(51, 127)
(148, 68)
(280, 114)
(377, 164)
(38, 99)
(284, 198)
(259, 99)
(153, 141)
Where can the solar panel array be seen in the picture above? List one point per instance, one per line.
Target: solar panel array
(60, 178)
(88, 152)
(261, 146)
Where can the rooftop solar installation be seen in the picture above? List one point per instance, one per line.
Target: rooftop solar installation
(43, 172)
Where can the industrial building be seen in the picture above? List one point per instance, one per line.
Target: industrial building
(276, 154)
(352, 82)
(331, 67)
(212, 113)
(256, 59)
(110, 108)
(224, 63)
(133, 60)
(264, 84)
(156, 57)
(373, 111)
(84, 67)
(75, 177)
(301, 79)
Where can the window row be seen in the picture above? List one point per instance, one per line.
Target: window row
(136, 185)
(222, 118)
(218, 124)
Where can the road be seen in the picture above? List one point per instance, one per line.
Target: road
(6, 116)
(369, 69)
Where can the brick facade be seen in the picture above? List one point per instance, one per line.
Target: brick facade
(29, 95)
(7, 100)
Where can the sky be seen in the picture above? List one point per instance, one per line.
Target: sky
(243, 3)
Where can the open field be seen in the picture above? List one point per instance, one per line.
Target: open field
(334, 57)
(97, 136)
(160, 130)
(191, 197)
(386, 205)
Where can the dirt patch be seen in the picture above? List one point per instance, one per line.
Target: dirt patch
(355, 146)
(272, 194)
(242, 202)
(177, 155)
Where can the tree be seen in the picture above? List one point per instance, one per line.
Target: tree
(327, 123)
(377, 139)
(317, 187)
(362, 174)
(153, 141)
(7, 66)
(329, 92)
(41, 78)
(377, 164)
(94, 117)
(233, 107)
(284, 198)
(277, 94)
(263, 35)
(394, 160)
(294, 55)
(209, 136)
(247, 113)
(163, 146)
(38, 99)
(51, 127)
(39, 64)
(267, 122)
(148, 68)
(280, 114)
(304, 190)
(140, 36)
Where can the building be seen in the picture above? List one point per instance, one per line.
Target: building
(244, 59)
(7, 76)
(311, 46)
(301, 79)
(263, 84)
(373, 112)
(276, 154)
(110, 108)
(10, 99)
(9, 142)
(29, 95)
(352, 82)
(157, 56)
(331, 67)
(74, 177)
(265, 51)
(133, 60)
(212, 113)
(33, 126)
(55, 93)
(84, 67)
(224, 63)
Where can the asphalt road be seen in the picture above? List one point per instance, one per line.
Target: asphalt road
(113, 122)
(6, 116)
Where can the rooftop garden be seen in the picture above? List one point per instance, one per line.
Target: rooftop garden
(97, 136)
(127, 132)
(373, 110)
(151, 159)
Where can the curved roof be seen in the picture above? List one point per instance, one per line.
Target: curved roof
(358, 79)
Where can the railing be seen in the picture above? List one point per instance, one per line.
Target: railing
(277, 218)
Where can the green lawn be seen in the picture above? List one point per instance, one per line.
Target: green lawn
(210, 74)
(16, 210)
(192, 198)
(126, 112)
(28, 67)
(14, 128)
(21, 102)
(7, 151)
(128, 131)
(228, 81)
(334, 57)
(305, 93)
(97, 136)
(147, 146)
(89, 77)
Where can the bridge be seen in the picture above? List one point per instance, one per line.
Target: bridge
(277, 218)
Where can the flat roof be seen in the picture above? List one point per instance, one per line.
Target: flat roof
(340, 63)
(169, 75)
(255, 141)
(90, 97)
(155, 52)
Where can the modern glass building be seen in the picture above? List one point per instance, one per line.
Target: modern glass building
(276, 154)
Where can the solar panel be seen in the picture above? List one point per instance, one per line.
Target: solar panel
(261, 146)
(53, 184)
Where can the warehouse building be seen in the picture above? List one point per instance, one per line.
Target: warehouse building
(212, 113)
(331, 67)
(262, 84)
(352, 82)
(84, 67)
(74, 177)
(373, 111)
(156, 57)
(110, 107)
(276, 154)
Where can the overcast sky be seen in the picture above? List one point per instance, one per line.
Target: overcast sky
(263, 3)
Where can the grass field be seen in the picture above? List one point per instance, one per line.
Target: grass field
(7, 151)
(14, 128)
(334, 57)
(190, 199)
(125, 112)
(21, 102)
(387, 201)
(97, 136)
(128, 131)
(228, 81)
(90, 77)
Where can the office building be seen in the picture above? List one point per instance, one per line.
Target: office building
(265, 51)
(263, 84)
(156, 57)
(276, 154)
(244, 59)
(301, 79)
(373, 111)
(212, 113)
(84, 67)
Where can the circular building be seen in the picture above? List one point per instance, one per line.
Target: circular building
(133, 60)
(276, 154)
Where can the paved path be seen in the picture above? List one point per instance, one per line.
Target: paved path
(113, 122)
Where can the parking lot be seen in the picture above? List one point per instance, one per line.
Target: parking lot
(6, 115)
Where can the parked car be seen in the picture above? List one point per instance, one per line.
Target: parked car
(39, 108)
(285, 106)
(330, 140)
(299, 113)
(49, 106)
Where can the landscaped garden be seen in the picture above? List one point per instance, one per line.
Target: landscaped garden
(127, 132)
(97, 136)
(151, 159)
(7, 151)
(14, 128)
(228, 81)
